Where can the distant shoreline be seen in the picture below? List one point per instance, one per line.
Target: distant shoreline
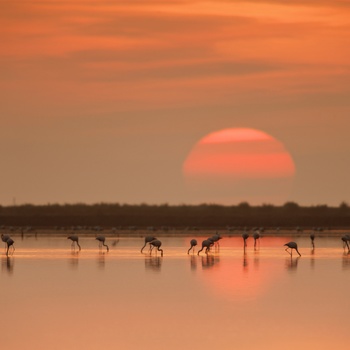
(176, 217)
(172, 233)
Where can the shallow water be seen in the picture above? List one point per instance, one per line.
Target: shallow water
(53, 297)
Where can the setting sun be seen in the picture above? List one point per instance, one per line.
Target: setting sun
(240, 164)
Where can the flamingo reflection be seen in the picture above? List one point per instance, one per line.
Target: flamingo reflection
(291, 263)
(346, 260)
(101, 260)
(153, 263)
(256, 258)
(209, 261)
(74, 260)
(193, 262)
(245, 260)
(7, 264)
(312, 260)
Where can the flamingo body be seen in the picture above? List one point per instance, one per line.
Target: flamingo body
(10, 243)
(256, 236)
(207, 243)
(75, 240)
(245, 236)
(148, 239)
(157, 244)
(291, 246)
(193, 243)
(312, 237)
(101, 240)
(4, 238)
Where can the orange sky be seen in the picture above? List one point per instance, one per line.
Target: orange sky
(103, 101)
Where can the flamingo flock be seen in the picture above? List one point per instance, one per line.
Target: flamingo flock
(206, 245)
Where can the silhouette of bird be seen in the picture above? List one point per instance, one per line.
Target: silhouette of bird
(4, 238)
(216, 238)
(156, 243)
(101, 240)
(312, 237)
(291, 246)
(148, 239)
(245, 236)
(346, 239)
(10, 243)
(256, 236)
(207, 243)
(74, 239)
(115, 242)
(193, 244)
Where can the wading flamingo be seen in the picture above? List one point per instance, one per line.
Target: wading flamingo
(156, 243)
(207, 243)
(291, 246)
(193, 243)
(10, 243)
(74, 239)
(101, 240)
(148, 239)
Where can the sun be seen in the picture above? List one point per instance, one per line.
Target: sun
(239, 164)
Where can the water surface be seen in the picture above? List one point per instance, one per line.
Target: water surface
(53, 297)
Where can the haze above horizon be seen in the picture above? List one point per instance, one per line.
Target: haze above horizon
(103, 102)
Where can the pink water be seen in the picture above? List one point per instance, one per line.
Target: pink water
(56, 298)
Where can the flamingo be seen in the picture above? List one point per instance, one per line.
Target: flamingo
(10, 243)
(148, 239)
(207, 243)
(312, 237)
(256, 236)
(101, 240)
(74, 239)
(156, 243)
(216, 238)
(245, 236)
(4, 238)
(193, 244)
(345, 240)
(291, 246)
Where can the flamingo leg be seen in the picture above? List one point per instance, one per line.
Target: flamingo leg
(288, 251)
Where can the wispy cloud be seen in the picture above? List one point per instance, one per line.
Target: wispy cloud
(117, 49)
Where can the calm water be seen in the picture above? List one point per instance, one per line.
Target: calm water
(56, 298)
